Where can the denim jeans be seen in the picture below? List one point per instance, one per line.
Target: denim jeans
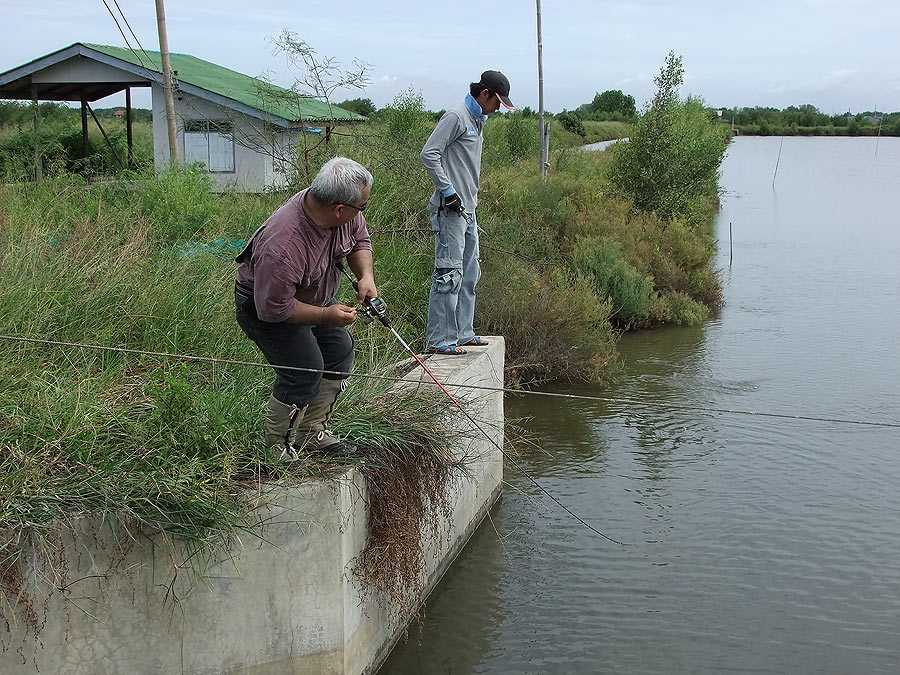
(451, 302)
(298, 346)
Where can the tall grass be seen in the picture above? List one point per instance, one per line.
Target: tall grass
(147, 439)
(605, 131)
(62, 148)
(149, 267)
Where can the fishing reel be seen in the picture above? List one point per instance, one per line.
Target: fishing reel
(374, 308)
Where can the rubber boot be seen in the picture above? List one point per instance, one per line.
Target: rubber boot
(281, 425)
(313, 434)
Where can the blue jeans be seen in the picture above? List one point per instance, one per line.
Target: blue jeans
(451, 303)
(298, 346)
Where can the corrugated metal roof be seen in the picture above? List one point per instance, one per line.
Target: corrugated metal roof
(233, 85)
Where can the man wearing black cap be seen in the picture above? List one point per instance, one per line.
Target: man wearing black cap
(452, 157)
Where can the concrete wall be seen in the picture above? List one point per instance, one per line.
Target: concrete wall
(284, 602)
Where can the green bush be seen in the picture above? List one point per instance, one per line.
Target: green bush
(521, 136)
(178, 204)
(682, 310)
(674, 153)
(602, 259)
(571, 122)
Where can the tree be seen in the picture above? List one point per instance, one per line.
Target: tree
(361, 106)
(571, 122)
(674, 153)
(319, 77)
(614, 101)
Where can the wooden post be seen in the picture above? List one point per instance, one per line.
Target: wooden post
(541, 132)
(776, 162)
(546, 149)
(38, 173)
(85, 144)
(128, 133)
(106, 138)
(730, 246)
(167, 81)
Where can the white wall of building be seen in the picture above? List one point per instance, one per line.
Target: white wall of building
(252, 169)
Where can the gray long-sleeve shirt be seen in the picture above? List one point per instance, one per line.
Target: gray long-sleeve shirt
(452, 156)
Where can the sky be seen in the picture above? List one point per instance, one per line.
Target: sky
(835, 54)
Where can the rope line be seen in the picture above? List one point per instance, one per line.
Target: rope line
(518, 392)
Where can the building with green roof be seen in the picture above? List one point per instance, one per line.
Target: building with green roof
(246, 132)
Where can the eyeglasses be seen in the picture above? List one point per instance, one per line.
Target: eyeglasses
(354, 206)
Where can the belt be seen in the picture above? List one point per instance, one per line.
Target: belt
(243, 291)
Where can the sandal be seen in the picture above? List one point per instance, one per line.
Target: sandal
(446, 350)
(477, 342)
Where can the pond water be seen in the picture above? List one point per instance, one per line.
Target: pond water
(756, 544)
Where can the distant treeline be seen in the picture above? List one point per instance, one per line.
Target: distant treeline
(807, 120)
(13, 113)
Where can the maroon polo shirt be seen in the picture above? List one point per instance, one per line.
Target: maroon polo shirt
(290, 259)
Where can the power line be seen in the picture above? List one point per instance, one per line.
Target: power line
(122, 33)
(518, 392)
(130, 29)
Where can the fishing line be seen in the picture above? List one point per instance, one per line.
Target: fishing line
(515, 392)
(375, 308)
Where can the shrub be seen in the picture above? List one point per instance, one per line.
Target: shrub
(571, 122)
(602, 259)
(178, 204)
(674, 153)
(682, 310)
(521, 136)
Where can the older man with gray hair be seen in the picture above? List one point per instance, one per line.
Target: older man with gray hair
(285, 301)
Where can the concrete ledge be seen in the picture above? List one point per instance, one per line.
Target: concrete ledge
(286, 604)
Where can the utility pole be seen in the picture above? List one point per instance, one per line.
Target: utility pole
(541, 130)
(167, 81)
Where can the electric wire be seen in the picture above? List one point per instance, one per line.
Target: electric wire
(130, 30)
(150, 71)
(122, 33)
(517, 392)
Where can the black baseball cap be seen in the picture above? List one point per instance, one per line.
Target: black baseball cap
(497, 82)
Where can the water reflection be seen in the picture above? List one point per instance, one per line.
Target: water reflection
(474, 615)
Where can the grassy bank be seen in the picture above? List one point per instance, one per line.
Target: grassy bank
(567, 264)
(605, 131)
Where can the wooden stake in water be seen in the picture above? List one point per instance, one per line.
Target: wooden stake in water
(730, 246)
(777, 161)
(880, 124)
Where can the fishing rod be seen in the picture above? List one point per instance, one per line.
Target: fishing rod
(376, 308)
